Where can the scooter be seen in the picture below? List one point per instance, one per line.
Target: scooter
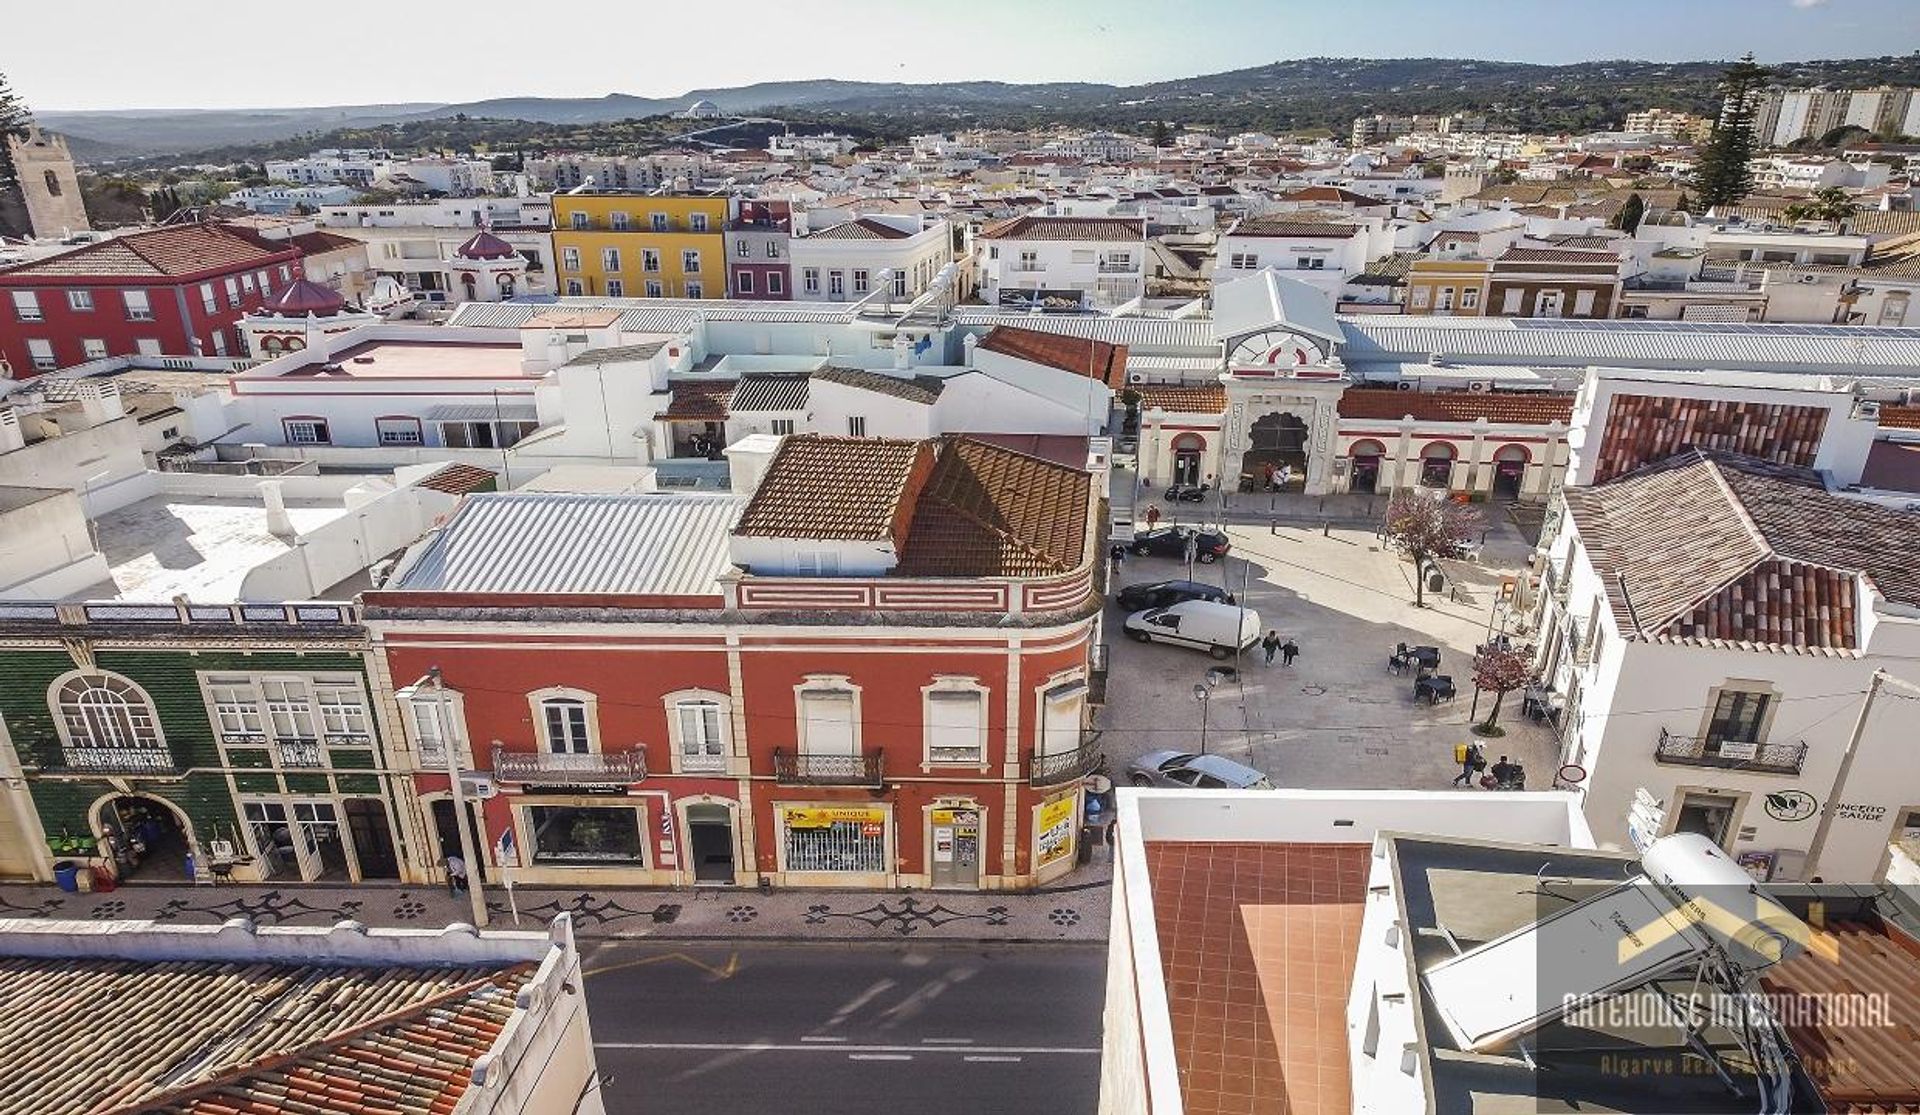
(1188, 493)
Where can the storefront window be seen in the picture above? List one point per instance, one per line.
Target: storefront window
(585, 834)
(837, 839)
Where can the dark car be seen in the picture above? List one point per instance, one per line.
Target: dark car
(1211, 545)
(1160, 594)
(1188, 493)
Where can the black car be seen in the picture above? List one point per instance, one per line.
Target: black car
(1188, 493)
(1211, 545)
(1160, 594)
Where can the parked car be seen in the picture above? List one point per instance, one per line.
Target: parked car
(1201, 624)
(1160, 594)
(1207, 772)
(1188, 493)
(1172, 542)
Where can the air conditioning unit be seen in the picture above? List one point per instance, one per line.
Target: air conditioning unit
(1480, 386)
(1407, 385)
(1136, 377)
(479, 787)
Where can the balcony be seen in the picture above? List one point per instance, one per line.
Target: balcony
(1097, 674)
(606, 768)
(826, 770)
(1118, 269)
(117, 760)
(1760, 758)
(1065, 766)
(302, 753)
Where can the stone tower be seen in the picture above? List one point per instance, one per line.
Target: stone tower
(49, 188)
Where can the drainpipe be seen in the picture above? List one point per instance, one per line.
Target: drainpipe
(1831, 807)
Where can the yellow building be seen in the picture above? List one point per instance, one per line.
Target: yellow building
(640, 245)
(1447, 287)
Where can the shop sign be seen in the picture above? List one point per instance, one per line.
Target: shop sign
(1054, 835)
(1860, 812)
(1790, 805)
(872, 821)
(956, 817)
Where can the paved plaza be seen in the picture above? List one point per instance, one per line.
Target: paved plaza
(1338, 718)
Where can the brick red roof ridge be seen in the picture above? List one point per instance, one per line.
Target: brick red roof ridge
(1038, 523)
(1104, 362)
(1391, 405)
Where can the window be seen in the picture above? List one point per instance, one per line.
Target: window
(816, 563)
(773, 249)
(743, 282)
(860, 284)
(80, 300)
(219, 342)
(93, 348)
(743, 248)
(899, 284)
(1062, 717)
(701, 739)
(856, 425)
(581, 220)
(574, 289)
(845, 839)
(236, 710)
(649, 260)
(233, 292)
(107, 720)
(658, 221)
(836, 284)
(609, 259)
(617, 221)
(1739, 715)
(653, 288)
(286, 273)
(343, 711)
(563, 725)
(993, 251)
(570, 259)
(246, 283)
(207, 302)
(429, 724)
(41, 351)
(1470, 298)
(616, 288)
(810, 280)
(307, 431)
(1419, 296)
(829, 717)
(1583, 303)
(1083, 255)
(147, 346)
(1510, 302)
(1244, 261)
(782, 427)
(956, 723)
(138, 308)
(696, 290)
(265, 289)
(776, 283)
(698, 222)
(690, 262)
(398, 430)
(26, 306)
(585, 834)
(1029, 261)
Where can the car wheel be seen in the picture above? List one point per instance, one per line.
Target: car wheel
(1140, 636)
(1139, 779)
(1209, 558)
(1140, 550)
(1221, 653)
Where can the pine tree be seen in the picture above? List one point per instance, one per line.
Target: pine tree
(1630, 214)
(14, 119)
(1721, 176)
(1160, 135)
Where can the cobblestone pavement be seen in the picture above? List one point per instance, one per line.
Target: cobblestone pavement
(1074, 909)
(1337, 718)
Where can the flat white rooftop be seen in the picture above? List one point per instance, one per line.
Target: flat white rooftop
(202, 547)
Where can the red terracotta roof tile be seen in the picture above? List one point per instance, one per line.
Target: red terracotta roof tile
(1642, 429)
(458, 479)
(699, 398)
(1184, 398)
(1097, 229)
(1093, 359)
(1535, 408)
(161, 252)
(836, 488)
(988, 511)
(1895, 416)
(1870, 1068)
(862, 228)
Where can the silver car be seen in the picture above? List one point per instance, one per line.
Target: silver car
(1185, 769)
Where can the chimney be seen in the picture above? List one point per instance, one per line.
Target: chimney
(969, 343)
(12, 437)
(100, 401)
(902, 352)
(279, 523)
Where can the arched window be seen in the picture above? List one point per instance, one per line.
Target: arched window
(295, 344)
(271, 346)
(1367, 448)
(53, 185)
(565, 719)
(1436, 465)
(108, 721)
(697, 720)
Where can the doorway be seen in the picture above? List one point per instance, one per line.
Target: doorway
(1509, 471)
(148, 839)
(449, 836)
(1547, 303)
(1276, 455)
(372, 837)
(1709, 815)
(1365, 467)
(953, 834)
(1186, 459)
(710, 841)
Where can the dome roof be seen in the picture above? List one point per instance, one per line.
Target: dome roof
(305, 297)
(485, 245)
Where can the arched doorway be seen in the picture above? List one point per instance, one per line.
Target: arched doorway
(1364, 466)
(1276, 456)
(472, 288)
(1509, 471)
(711, 842)
(1187, 449)
(148, 837)
(1436, 465)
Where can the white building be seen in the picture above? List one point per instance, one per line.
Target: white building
(891, 256)
(1065, 261)
(793, 148)
(417, 243)
(364, 169)
(1323, 253)
(442, 175)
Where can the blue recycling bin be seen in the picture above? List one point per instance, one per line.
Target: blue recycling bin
(66, 873)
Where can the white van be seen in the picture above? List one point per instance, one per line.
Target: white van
(1202, 624)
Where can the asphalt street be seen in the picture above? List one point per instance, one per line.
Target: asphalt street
(849, 1027)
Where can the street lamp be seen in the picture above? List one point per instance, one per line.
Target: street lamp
(1204, 694)
(444, 720)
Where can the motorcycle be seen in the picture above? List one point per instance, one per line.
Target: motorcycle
(1188, 493)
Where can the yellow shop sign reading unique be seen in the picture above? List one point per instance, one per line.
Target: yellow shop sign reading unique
(830, 816)
(1056, 812)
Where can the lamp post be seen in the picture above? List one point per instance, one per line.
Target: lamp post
(1204, 695)
(460, 820)
(1155, 417)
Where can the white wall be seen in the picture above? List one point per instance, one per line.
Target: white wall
(831, 404)
(104, 463)
(343, 547)
(46, 551)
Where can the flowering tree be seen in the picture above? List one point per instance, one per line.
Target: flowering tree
(1499, 670)
(1425, 528)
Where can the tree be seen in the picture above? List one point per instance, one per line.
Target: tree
(1722, 175)
(1830, 203)
(1160, 135)
(14, 119)
(1630, 214)
(1499, 670)
(1425, 529)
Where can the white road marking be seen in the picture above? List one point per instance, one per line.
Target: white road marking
(948, 1041)
(815, 1047)
(993, 1060)
(820, 1037)
(879, 1056)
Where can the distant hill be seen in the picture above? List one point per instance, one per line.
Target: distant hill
(1294, 94)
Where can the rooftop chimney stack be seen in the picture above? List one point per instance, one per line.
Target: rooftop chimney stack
(100, 401)
(279, 523)
(12, 437)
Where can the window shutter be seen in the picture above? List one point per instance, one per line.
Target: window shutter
(953, 726)
(1064, 719)
(829, 726)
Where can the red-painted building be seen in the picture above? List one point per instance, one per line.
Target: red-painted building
(875, 671)
(174, 291)
(758, 237)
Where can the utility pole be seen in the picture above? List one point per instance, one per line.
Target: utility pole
(1831, 806)
(461, 824)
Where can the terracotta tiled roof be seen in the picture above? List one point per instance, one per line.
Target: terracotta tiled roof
(161, 252)
(1104, 229)
(699, 398)
(1859, 1070)
(211, 1037)
(1093, 359)
(1895, 416)
(863, 228)
(1184, 398)
(1334, 194)
(915, 389)
(1642, 429)
(1535, 408)
(993, 512)
(1733, 551)
(458, 479)
(1293, 229)
(320, 241)
(835, 488)
(1560, 255)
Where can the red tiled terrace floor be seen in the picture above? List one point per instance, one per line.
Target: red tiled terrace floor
(1258, 941)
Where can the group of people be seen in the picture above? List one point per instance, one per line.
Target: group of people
(1288, 650)
(1473, 761)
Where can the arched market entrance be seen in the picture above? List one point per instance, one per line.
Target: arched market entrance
(1276, 456)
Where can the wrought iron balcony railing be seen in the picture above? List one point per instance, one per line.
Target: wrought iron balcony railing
(300, 752)
(826, 770)
(1057, 767)
(1762, 758)
(118, 760)
(569, 769)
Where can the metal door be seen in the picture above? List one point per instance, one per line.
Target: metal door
(954, 837)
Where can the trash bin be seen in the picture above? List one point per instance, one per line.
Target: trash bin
(66, 874)
(1085, 852)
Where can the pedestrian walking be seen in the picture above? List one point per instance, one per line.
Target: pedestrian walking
(1116, 555)
(1289, 651)
(1471, 759)
(1270, 644)
(456, 874)
(1153, 517)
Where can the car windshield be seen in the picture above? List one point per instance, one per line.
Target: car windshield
(1176, 762)
(1260, 784)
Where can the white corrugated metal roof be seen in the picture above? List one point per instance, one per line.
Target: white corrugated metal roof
(1379, 339)
(1268, 299)
(482, 412)
(1195, 333)
(652, 315)
(564, 542)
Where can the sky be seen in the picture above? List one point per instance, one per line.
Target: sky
(138, 54)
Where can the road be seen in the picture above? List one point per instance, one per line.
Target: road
(848, 1027)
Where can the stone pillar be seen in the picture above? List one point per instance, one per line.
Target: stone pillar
(1477, 458)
